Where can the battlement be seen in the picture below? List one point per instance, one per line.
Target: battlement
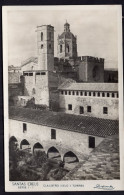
(91, 59)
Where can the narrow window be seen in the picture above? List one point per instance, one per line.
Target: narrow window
(69, 93)
(88, 108)
(81, 93)
(105, 110)
(41, 36)
(24, 127)
(81, 110)
(107, 94)
(41, 46)
(94, 93)
(60, 48)
(113, 95)
(89, 93)
(49, 46)
(77, 93)
(62, 92)
(85, 93)
(69, 106)
(53, 134)
(73, 93)
(98, 94)
(103, 94)
(91, 142)
(65, 92)
(117, 95)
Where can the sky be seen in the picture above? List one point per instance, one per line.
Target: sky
(96, 30)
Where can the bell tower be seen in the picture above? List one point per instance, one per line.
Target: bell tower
(45, 47)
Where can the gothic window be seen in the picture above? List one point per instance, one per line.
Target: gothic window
(91, 142)
(53, 134)
(60, 48)
(41, 36)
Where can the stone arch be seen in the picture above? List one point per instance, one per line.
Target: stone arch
(13, 142)
(37, 146)
(25, 144)
(53, 153)
(70, 157)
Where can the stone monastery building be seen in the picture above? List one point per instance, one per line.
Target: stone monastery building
(81, 107)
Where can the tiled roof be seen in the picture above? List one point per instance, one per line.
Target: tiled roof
(90, 86)
(81, 124)
(103, 162)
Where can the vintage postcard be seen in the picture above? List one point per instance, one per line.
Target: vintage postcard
(63, 98)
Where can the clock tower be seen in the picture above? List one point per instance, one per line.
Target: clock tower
(67, 44)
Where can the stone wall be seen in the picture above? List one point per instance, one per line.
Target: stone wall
(96, 103)
(65, 140)
(14, 77)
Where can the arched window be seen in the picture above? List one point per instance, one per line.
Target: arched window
(60, 48)
(41, 36)
(68, 48)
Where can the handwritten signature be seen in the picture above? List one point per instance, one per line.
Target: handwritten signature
(103, 187)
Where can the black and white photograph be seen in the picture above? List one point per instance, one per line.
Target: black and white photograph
(63, 92)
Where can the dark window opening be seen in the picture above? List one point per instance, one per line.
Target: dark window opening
(103, 95)
(77, 93)
(113, 95)
(43, 73)
(81, 93)
(42, 46)
(85, 93)
(69, 93)
(53, 134)
(105, 110)
(37, 73)
(107, 94)
(88, 108)
(65, 92)
(41, 36)
(31, 74)
(69, 106)
(98, 94)
(117, 95)
(81, 110)
(62, 92)
(50, 46)
(73, 93)
(60, 48)
(24, 127)
(94, 93)
(89, 93)
(91, 142)
(25, 74)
